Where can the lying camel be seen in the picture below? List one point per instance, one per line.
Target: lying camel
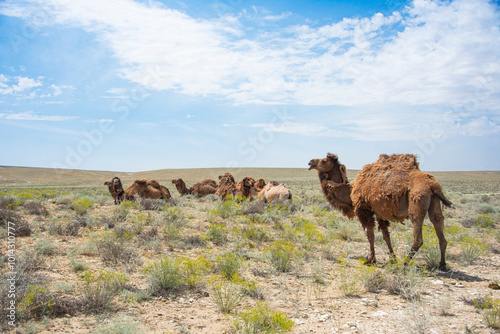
(144, 188)
(227, 186)
(274, 191)
(206, 187)
(259, 185)
(245, 188)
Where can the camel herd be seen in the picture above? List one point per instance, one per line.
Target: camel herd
(246, 188)
(393, 188)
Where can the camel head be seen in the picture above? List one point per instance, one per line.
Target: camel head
(329, 168)
(248, 182)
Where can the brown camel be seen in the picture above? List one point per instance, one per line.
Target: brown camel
(245, 188)
(115, 187)
(393, 189)
(274, 191)
(227, 186)
(144, 188)
(206, 187)
(259, 185)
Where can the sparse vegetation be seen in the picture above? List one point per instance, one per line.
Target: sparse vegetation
(255, 265)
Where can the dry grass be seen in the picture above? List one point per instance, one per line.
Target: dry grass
(202, 261)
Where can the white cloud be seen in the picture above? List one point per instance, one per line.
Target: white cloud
(31, 116)
(431, 53)
(17, 85)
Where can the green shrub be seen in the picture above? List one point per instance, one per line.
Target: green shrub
(229, 265)
(100, 288)
(81, 206)
(281, 255)
(36, 301)
(485, 208)
(472, 249)
(115, 247)
(194, 270)
(225, 209)
(262, 319)
(403, 279)
(350, 282)
(120, 325)
(45, 247)
(165, 274)
(217, 234)
(173, 222)
(225, 294)
(484, 220)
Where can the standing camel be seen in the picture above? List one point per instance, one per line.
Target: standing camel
(392, 189)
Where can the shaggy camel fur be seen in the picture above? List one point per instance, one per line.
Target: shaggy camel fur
(392, 189)
(227, 185)
(245, 188)
(147, 189)
(206, 187)
(274, 191)
(115, 187)
(259, 185)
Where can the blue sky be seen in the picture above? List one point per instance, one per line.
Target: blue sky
(141, 85)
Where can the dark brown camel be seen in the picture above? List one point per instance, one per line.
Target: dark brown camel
(393, 189)
(245, 188)
(115, 187)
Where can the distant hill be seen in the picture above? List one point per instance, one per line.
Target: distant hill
(481, 182)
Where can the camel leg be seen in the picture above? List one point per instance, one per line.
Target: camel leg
(437, 219)
(383, 226)
(366, 218)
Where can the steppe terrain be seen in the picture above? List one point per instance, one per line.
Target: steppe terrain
(203, 265)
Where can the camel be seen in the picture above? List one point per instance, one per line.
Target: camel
(393, 189)
(274, 191)
(143, 188)
(259, 185)
(115, 187)
(227, 185)
(206, 187)
(245, 188)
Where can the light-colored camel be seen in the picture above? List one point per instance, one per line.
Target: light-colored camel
(274, 191)
(392, 189)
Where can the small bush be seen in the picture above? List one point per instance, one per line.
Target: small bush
(485, 208)
(229, 265)
(173, 222)
(36, 302)
(485, 221)
(472, 249)
(262, 319)
(100, 288)
(10, 219)
(81, 206)
(36, 208)
(194, 270)
(120, 325)
(45, 247)
(164, 275)
(217, 234)
(404, 280)
(351, 282)
(281, 255)
(9, 203)
(116, 248)
(151, 204)
(225, 294)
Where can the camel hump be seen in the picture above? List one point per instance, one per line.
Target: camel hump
(403, 162)
(154, 184)
(142, 181)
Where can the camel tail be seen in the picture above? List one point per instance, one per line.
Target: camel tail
(436, 190)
